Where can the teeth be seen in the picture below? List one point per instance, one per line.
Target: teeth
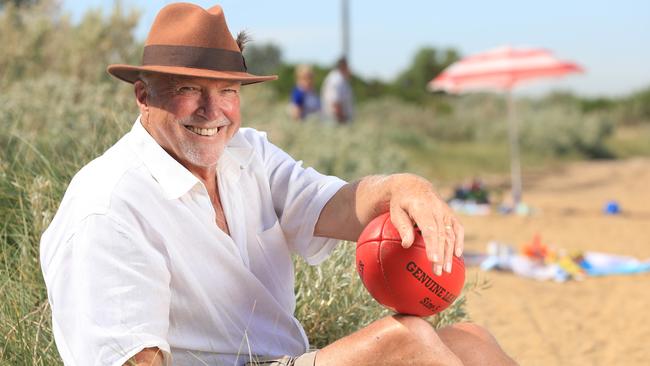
(203, 131)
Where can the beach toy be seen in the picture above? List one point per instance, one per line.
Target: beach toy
(612, 208)
(536, 249)
(402, 279)
(571, 265)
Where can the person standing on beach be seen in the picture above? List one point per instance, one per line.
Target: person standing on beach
(304, 100)
(175, 246)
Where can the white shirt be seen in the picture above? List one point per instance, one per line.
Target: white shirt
(336, 89)
(134, 258)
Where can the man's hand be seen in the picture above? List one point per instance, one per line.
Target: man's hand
(411, 201)
(338, 112)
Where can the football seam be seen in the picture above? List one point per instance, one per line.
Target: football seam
(383, 272)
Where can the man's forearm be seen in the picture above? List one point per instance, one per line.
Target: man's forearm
(338, 112)
(410, 199)
(354, 206)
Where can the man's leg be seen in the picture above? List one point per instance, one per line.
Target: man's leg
(407, 340)
(474, 345)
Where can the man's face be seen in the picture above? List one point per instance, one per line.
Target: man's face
(193, 119)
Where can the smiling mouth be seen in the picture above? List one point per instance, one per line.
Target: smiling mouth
(204, 131)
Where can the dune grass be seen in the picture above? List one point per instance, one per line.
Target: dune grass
(630, 141)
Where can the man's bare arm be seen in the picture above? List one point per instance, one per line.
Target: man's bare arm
(410, 199)
(338, 112)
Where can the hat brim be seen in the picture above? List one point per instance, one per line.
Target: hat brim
(131, 74)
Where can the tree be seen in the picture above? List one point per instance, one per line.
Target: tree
(36, 40)
(18, 3)
(263, 59)
(427, 63)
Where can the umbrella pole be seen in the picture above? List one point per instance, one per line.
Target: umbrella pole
(515, 166)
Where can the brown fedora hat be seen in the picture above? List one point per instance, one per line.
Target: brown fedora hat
(188, 40)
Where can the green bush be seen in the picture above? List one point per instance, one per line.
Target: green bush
(561, 130)
(635, 109)
(38, 40)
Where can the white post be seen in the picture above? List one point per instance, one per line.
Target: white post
(515, 166)
(345, 29)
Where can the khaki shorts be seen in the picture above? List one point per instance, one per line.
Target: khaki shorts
(307, 359)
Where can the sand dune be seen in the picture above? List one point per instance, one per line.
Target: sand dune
(597, 321)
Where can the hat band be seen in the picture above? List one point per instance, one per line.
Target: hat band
(216, 59)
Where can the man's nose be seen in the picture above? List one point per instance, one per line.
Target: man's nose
(213, 105)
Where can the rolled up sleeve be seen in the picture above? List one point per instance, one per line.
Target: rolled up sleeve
(109, 293)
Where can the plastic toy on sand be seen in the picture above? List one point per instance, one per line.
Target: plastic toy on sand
(611, 208)
(402, 279)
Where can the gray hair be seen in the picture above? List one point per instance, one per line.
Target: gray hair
(149, 79)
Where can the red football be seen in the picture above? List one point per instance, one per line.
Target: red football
(402, 279)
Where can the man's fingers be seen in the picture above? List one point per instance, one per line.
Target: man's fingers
(460, 237)
(443, 235)
(450, 241)
(426, 221)
(442, 244)
(403, 224)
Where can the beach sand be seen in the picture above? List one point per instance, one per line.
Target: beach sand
(596, 321)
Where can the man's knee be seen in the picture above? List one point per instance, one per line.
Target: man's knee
(403, 331)
(418, 337)
(417, 328)
(474, 345)
(474, 330)
(461, 343)
(394, 340)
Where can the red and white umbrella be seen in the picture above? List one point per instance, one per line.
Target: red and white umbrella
(502, 69)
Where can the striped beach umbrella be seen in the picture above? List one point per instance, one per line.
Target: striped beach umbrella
(502, 69)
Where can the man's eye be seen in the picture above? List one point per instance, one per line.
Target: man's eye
(187, 89)
(229, 91)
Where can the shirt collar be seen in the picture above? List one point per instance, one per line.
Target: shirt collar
(174, 179)
(236, 157)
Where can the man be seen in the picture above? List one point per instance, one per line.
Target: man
(338, 100)
(175, 245)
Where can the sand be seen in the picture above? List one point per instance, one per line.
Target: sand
(597, 321)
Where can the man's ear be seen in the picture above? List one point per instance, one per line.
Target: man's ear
(140, 93)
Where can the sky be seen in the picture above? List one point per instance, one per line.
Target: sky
(609, 39)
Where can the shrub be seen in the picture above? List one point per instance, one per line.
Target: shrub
(562, 131)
